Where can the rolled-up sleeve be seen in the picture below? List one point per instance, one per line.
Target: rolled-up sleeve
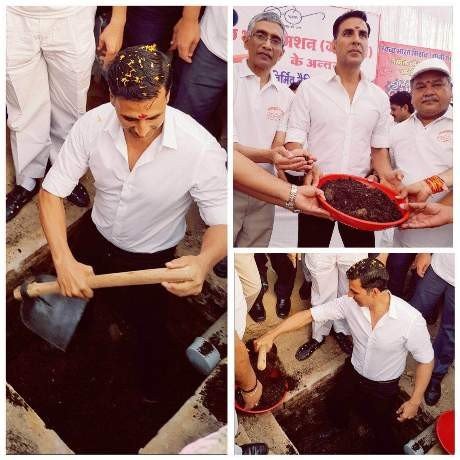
(299, 117)
(71, 163)
(381, 133)
(335, 309)
(209, 189)
(418, 341)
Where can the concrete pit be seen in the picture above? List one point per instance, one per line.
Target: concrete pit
(301, 424)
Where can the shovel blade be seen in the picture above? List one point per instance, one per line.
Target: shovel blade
(53, 317)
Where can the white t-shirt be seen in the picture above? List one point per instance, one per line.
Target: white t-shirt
(47, 12)
(213, 26)
(258, 112)
(143, 210)
(380, 354)
(339, 133)
(420, 152)
(444, 266)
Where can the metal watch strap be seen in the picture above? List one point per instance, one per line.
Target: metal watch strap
(290, 203)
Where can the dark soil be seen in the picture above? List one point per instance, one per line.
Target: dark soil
(205, 348)
(214, 394)
(314, 428)
(90, 395)
(274, 379)
(359, 200)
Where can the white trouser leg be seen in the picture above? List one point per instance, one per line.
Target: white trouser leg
(69, 52)
(344, 262)
(246, 267)
(324, 277)
(27, 97)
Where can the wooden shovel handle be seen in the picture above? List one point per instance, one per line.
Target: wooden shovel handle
(262, 358)
(137, 277)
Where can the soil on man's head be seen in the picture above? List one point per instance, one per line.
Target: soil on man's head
(361, 201)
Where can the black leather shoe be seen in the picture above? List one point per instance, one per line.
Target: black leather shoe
(344, 342)
(17, 198)
(305, 290)
(220, 269)
(433, 392)
(283, 307)
(264, 281)
(307, 349)
(256, 448)
(257, 312)
(79, 196)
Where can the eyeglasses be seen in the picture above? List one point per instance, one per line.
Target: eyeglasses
(262, 37)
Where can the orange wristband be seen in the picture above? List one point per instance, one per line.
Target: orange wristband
(435, 183)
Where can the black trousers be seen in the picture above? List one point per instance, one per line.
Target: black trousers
(315, 232)
(285, 272)
(142, 307)
(375, 401)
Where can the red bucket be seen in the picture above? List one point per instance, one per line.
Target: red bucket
(268, 409)
(355, 222)
(445, 430)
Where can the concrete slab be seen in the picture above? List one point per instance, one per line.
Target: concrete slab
(265, 428)
(26, 433)
(191, 422)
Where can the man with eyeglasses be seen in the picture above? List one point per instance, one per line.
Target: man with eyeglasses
(343, 120)
(260, 105)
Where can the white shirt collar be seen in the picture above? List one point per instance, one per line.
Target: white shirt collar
(245, 71)
(447, 115)
(168, 134)
(330, 75)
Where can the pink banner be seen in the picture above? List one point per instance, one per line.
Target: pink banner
(396, 62)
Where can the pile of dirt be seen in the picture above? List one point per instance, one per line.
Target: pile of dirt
(361, 201)
(214, 394)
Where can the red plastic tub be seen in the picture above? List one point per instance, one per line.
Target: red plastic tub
(355, 222)
(445, 430)
(263, 411)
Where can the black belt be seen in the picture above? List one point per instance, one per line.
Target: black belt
(373, 382)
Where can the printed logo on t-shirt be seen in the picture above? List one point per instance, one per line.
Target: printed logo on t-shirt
(445, 136)
(274, 113)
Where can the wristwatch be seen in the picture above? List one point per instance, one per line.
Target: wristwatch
(290, 203)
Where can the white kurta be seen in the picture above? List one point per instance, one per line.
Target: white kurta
(49, 55)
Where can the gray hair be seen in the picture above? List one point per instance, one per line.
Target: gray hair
(267, 16)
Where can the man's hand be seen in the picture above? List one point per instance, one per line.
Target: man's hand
(407, 410)
(72, 277)
(313, 176)
(393, 179)
(294, 160)
(252, 399)
(266, 341)
(193, 287)
(110, 42)
(307, 201)
(417, 192)
(186, 36)
(427, 215)
(421, 263)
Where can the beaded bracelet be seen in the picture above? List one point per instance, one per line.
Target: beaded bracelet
(435, 183)
(251, 390)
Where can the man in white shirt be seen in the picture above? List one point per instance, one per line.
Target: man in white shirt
(49, 55)
(422, 147)
(149, 162)
(260, 103)
(384, 329)
(342, 119)
(438, 282)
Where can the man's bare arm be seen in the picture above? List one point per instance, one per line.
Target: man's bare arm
(213, 249)
(71, 274)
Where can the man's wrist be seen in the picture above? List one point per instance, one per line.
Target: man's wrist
(416, 400)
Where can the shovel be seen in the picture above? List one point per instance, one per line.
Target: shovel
(55, 317)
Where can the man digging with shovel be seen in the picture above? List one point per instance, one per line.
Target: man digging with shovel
(149, 162)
